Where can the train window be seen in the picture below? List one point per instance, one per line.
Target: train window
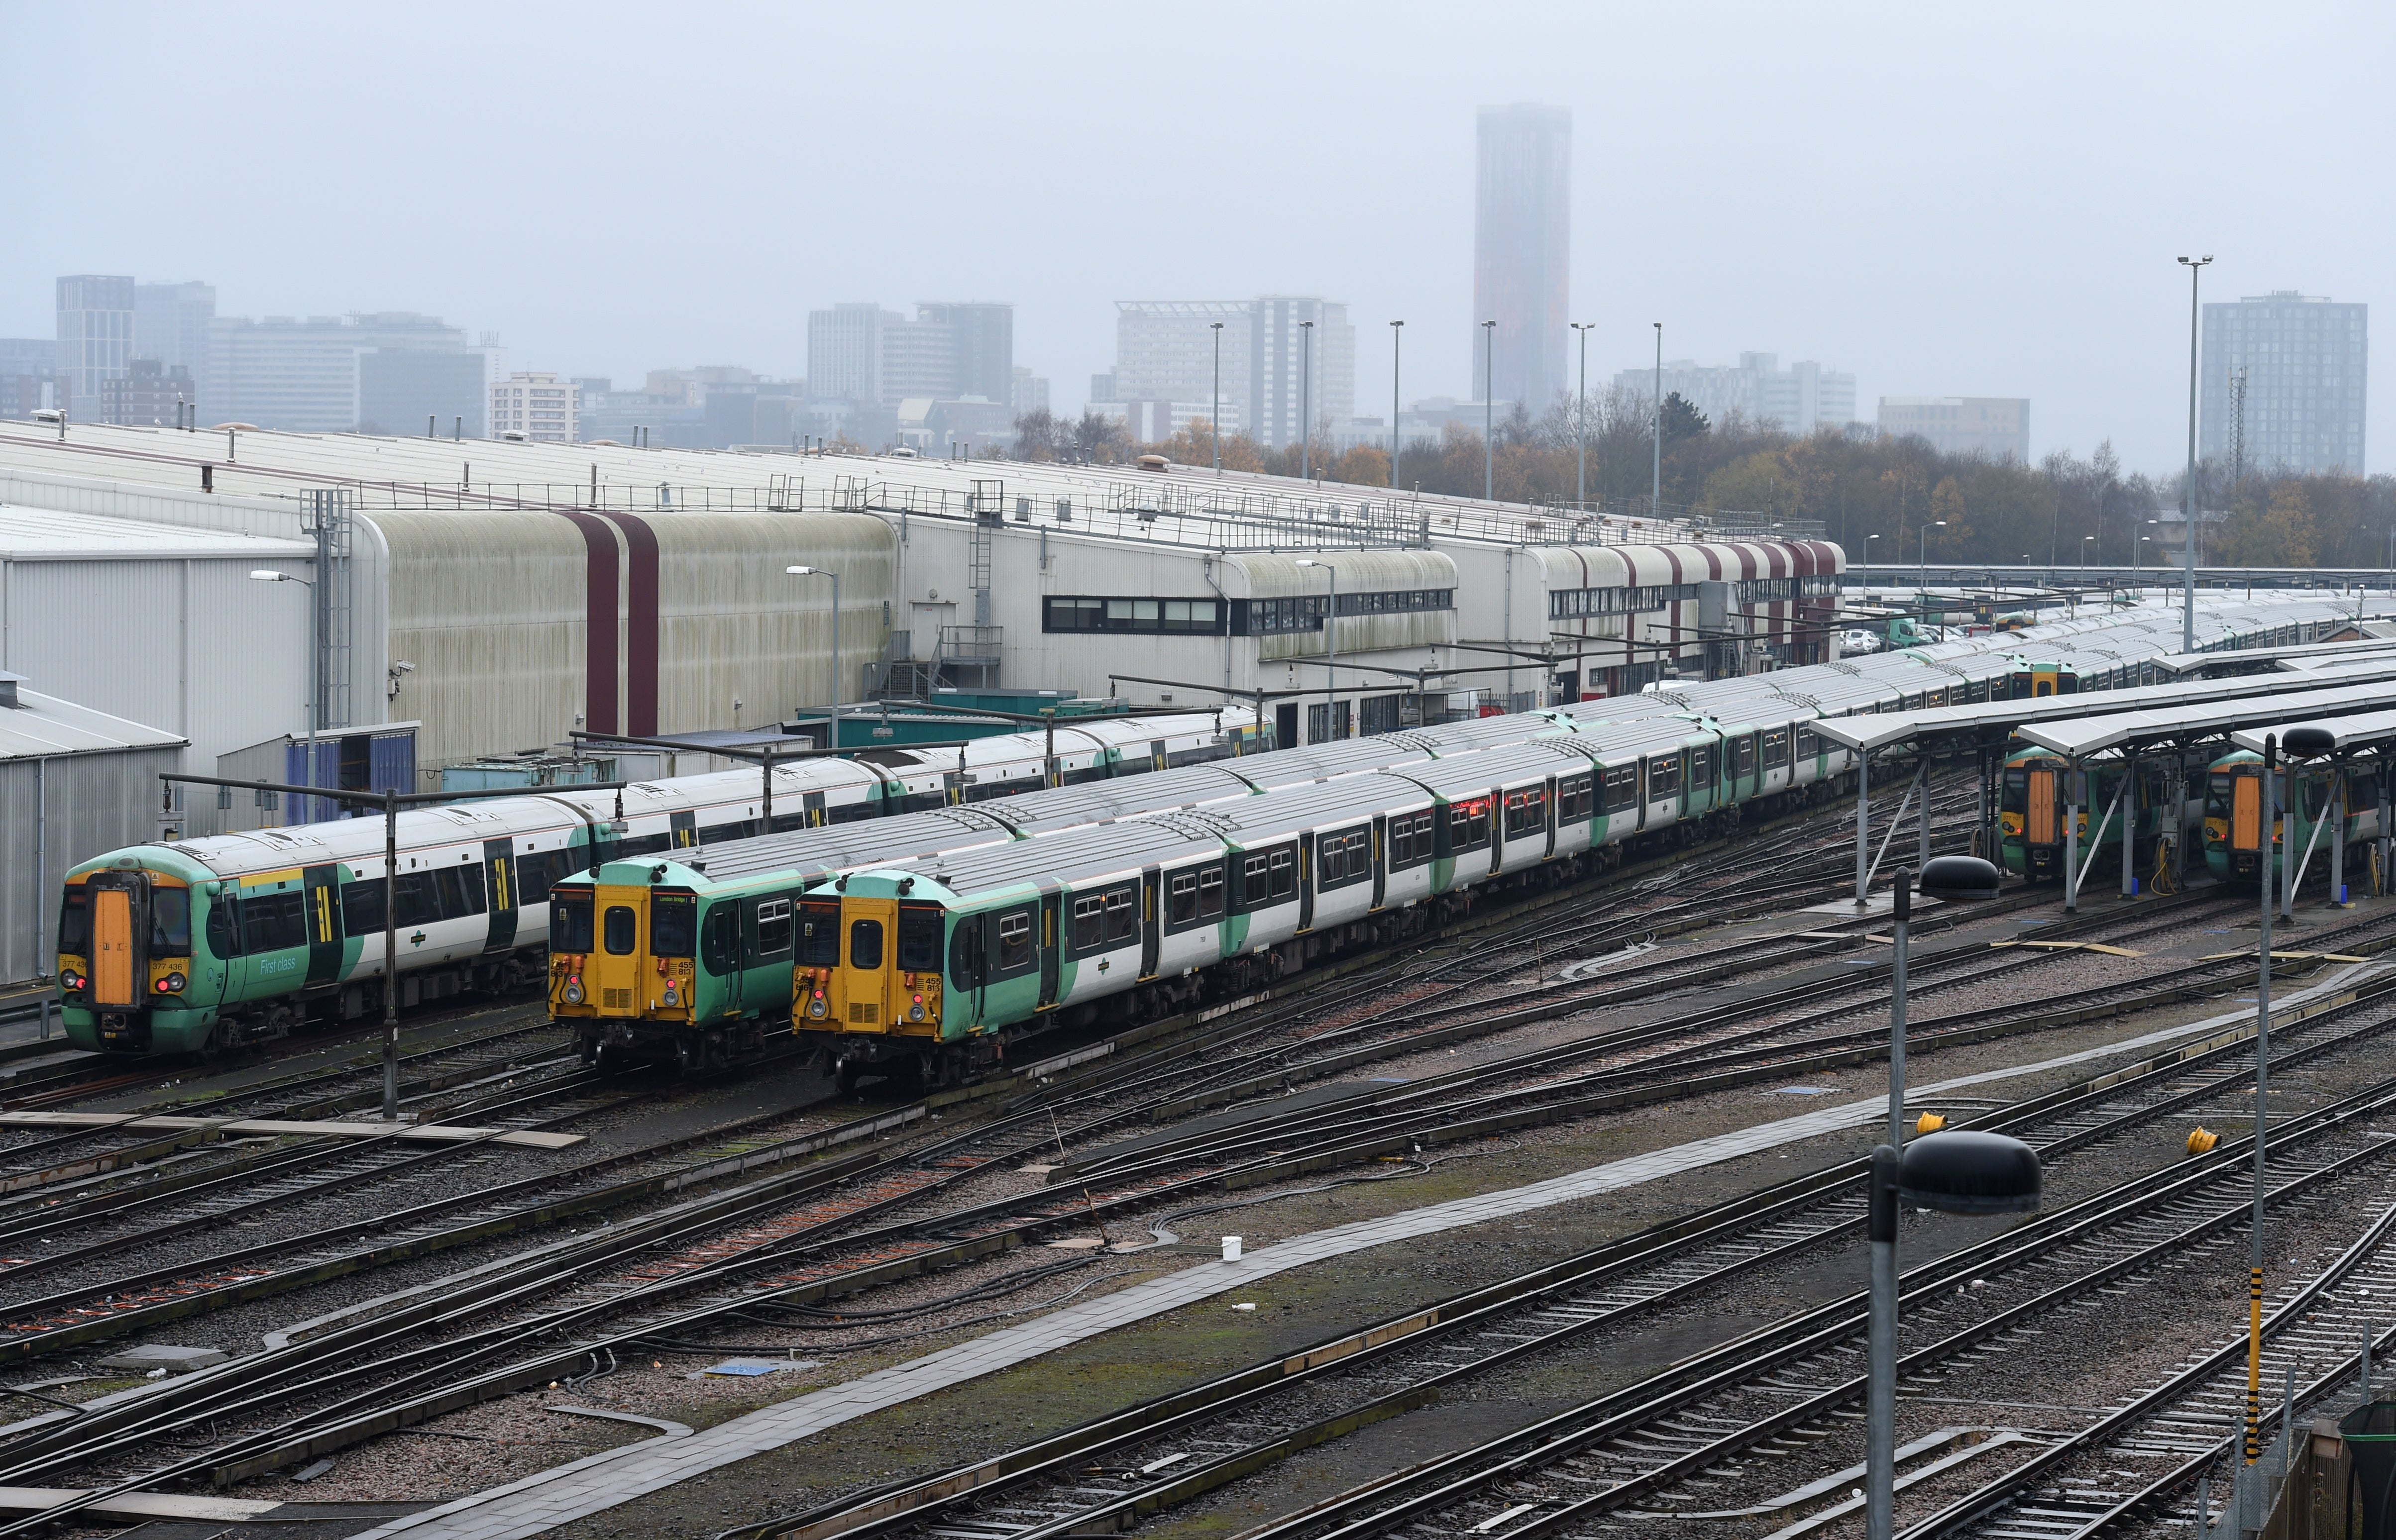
(719, 939)
(1809, 743)
(674, 924)
(1526, 812)
(965, 955)
(1622, 787)
(1015, 941)
(1402, 842)
(1468, 824)
(2014, 797)
(1268, 877)
(74, 923)
(1776, 748)
(1574, 799)
(271, 921)
(171, 922)
(1090, 924)
(774, 928)
(1210, 893)
(1664, 777)
(1342, 859)
(818, 933)
(919, 938)
(224, 927)
(1743, 756)
(1184, 911)
(1701, 768)
(620, 930)
(569, 915)
(865, 942)
(1123, 914)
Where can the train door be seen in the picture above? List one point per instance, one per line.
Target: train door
(618, 984)
(2246, 813)
(720, 952)
(499, 876)
(1286, 726)
(1156, 755)
(1151, 925)
(1381, 858)
(1497, 814)
(684, 830)
(322, 907)
(1548, 816)
(869, 932)
(115, 960)
(2041, 829)
(1050, 950)
(813, 803)
(1305, 882)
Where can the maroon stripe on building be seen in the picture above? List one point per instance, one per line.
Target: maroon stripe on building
(599, 620)
(641, 626)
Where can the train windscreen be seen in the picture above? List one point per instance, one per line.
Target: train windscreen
(569, 920)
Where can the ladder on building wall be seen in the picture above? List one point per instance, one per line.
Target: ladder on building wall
(326, 514)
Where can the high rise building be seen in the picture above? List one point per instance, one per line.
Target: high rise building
(1995, 426)
(404, 392)
(29, 379)
(95, 338)
(862, 352)
(170, 323)
(981, 344)
(1028, 392)
(1291, 378)
(1801, 398)
(1522, 244)
(538, 405)
(305, 375)
(2304, 362)
(148, 394)
(1165, 352)
(845, 352)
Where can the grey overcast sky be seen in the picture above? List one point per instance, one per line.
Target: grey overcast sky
(1980, 200)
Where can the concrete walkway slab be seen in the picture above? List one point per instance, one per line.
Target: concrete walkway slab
(555, 1497)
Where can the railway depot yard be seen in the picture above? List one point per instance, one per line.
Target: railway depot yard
(1672, 1136)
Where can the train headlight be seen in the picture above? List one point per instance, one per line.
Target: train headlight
(671, 998)
(915, 1012)
(816, 1007)
(173, 983)
(573, 992)
(71, 980)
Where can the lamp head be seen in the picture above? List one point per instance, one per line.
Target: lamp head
(800, 571)
(1966, 1171)
(2308, 742)
(261, 574)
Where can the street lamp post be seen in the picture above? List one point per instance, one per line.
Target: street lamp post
(2086, 540)
(1305, 401)
(1331, 651)
(1580, 432)
(2195, 266)
(1488, 411)
(831, 730)
(1215, 423)
(315, 671)
(1962, 1172)
(1395, 333)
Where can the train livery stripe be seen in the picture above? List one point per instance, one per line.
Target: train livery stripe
(261, 879)
(599, 619)
(641, 624)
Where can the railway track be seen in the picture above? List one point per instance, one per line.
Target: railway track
(1788, 1386)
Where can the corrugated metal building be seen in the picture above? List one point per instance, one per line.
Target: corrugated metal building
(73, 783)
(507, 593)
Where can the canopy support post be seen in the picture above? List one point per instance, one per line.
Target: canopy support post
(1922, 779)
(2072, 839)
(2130, 826)
(1863, 825)
(2338, 838)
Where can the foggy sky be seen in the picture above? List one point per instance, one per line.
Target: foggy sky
(1969, 201)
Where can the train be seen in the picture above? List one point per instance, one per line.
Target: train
(203, 945)
(2301, 833)
(2035, 812)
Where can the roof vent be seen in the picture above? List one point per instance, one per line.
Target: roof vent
(8, 684)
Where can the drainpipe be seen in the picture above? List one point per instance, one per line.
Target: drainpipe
(1206, 570)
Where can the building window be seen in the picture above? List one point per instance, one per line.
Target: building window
(1305, 612)
(1155, 617)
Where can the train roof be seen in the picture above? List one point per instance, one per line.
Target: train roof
(1121, 796)
(1166, 838)
(812, 852)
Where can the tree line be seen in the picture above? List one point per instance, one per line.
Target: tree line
(1879, 498)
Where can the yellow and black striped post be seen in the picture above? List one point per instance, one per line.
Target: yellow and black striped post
(2254, 1365)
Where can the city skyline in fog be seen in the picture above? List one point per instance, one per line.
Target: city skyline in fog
(1891, 194)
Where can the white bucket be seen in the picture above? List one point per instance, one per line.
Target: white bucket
(1230, 1248)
